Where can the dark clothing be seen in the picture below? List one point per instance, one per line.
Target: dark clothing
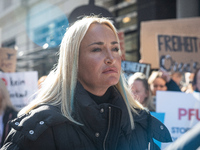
(105, 127)
(196, 90)
(188, 141)
(172, 86)
(101, 99)
(9, 114)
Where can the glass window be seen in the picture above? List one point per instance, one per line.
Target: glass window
(131, 46)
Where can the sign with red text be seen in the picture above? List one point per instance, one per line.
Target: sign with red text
(182, 110)
(173, 45)
(20, 85)
(8, 58)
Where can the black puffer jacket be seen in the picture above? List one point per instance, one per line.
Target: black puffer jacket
(9, 114)
(105, 127)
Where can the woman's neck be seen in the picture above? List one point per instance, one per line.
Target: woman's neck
(101, 99)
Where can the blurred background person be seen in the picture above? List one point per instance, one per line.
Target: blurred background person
(196, 81)
(141, 90)
(162, 81)
(7, 112)
(157, 83)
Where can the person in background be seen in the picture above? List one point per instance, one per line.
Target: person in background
(7, 112)
(162, 81)
(196, 81)
(141, 90)
(84, 102)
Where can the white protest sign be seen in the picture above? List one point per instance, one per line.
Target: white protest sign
(130, 68)
(21, 85)
(182, 110)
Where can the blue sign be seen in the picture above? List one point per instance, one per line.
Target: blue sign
(161, 117)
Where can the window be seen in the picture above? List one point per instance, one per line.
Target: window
(125, 12)
(9, 44)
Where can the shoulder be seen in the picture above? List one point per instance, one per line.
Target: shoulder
(33, 124)
(172, 86)
(154, 128)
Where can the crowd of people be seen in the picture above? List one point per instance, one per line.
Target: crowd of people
(144, 88)
(85, 103)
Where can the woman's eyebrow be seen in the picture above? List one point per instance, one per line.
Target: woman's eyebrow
(114, 42)
(101, 43)
(96, 43)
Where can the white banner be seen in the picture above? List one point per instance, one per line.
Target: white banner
(129, 68)
(182, 110)
(21, 85)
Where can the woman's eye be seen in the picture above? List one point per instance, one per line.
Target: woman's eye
(96, 50)
(116, 49)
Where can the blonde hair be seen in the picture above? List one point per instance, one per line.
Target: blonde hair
(59, 86)
(5, 97)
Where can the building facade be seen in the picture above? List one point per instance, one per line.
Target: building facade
(35, 27)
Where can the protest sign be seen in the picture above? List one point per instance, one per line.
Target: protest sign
(20, 85)
(8, 59)
(173, 45)
(129, 68)
(182, 110)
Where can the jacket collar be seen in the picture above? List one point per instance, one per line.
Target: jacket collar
(88, 112)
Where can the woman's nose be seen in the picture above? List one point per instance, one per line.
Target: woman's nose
(109, 59)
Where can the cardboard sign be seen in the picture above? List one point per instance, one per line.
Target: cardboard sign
(182, 110)
(130, 68)
(20, 85)
(8, 59)
(173, 45)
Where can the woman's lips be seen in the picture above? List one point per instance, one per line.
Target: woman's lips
(110, 70)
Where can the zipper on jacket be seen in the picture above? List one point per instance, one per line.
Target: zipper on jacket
(109, 121)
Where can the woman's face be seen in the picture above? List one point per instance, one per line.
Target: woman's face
(158, 85)
(198, 80)
(99, 59)
(139, 91)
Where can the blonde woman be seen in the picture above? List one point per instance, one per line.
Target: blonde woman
(7, 112)
(84, 103)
